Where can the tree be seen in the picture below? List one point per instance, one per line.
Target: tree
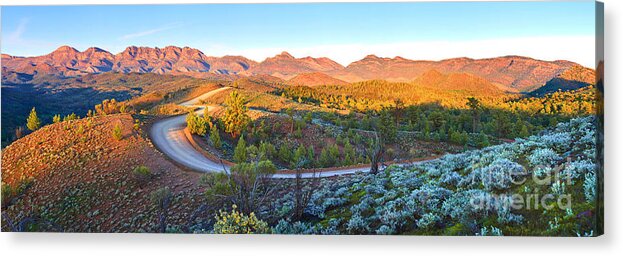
(116, 132)
(284, 153)
(235, 118)
(399, 107)
(245, 185)
(267, 151)
(196, 124)
(298, 134)
(387, 128)
(290, 113)
(349, 154)
(240, 152)
(303, 192)
(215, 137)
(33, 122)
(70, 117)
(476, 107)
(308, 117)
(300, 157)
(376, 152)
(56, 118)
(482, 140)
(324, 160)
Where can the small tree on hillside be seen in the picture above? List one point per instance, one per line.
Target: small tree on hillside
(290, 113)
(235, 118)
(240, 152)
(215, 137)
(33, 122)
(476, 107)
(196, 124)
(56, 118)
(245, 185)
(116, 132)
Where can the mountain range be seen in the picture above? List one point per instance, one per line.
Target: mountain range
(509, 73)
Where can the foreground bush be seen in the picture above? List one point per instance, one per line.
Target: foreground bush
(141, 174)
(235, 222)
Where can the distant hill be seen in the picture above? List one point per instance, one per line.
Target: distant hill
(67, 61)
(513, 73)
(510, 73)
(571, 79)
(314, 79)
(463, 82)
(286, 66)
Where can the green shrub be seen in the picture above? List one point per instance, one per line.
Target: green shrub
(7, 194)
(116, 132)
(240, 152)
(235, 222)
(142, 174)
(215, 137)
(33, 122)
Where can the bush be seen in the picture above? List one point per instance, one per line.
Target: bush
(141, 174)
(33, 122)
(116, 132)
(240, 152)
(7, 194)
(215, 137)
(235, 222)
(196, 124)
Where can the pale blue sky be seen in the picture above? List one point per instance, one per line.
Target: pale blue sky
(261, 30)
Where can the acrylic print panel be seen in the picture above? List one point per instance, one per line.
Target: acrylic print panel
(429, 118)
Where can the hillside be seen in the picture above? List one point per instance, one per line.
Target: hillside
(78, 177)
(515, 73)
(314, 79)
(470, 193)
(571, 79)
(67, 61)
(286, 66)
(458, 82)
(55, 95)
(511, 73)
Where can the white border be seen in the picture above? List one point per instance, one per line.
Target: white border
(154, 244)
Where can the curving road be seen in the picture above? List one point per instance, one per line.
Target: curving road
(168, 136)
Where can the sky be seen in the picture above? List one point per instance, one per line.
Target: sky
(344, 32)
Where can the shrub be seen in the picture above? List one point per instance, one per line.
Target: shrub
(484, 231)
(141, 174)
(70, 117)
(590, 186)
(7, 194)
(116, 132)
(33, 122)
(161, 199)
(196, 124)
(240, 152)
(215, 137)
(235, 222)
(235, 117)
